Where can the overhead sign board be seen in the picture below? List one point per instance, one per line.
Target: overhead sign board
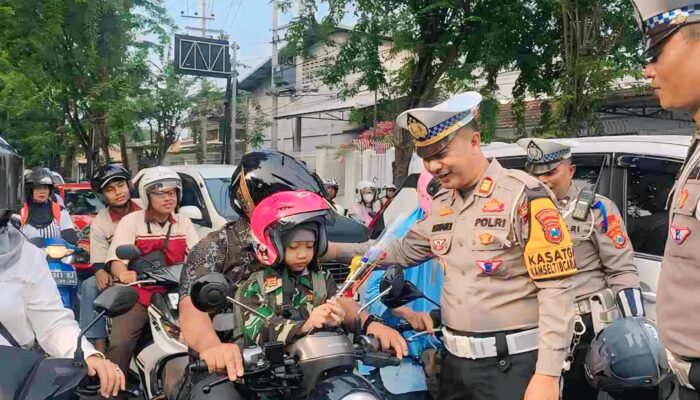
(201, 56)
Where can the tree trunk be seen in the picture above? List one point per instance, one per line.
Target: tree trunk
(123, 149)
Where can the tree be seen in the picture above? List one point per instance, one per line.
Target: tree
(447, 45)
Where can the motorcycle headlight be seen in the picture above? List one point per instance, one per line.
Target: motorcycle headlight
(56, 252)
(67, 260)
(171, 330)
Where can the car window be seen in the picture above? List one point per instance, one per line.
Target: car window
(192, 196)
(648, 183)
(82, 202)
(404, 201)
(218, 191)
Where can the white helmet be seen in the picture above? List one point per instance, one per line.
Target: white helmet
(366, 184)
(389, 186)
(157, 178)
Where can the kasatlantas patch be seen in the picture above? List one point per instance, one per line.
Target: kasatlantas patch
(615, 232)
(492, 206)
(679, 234)
(549, 218)
(439, 244)
(489, 266)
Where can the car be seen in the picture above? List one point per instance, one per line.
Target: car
(636, 172)
(83, 205)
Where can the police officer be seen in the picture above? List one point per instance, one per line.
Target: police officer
(672, 36)
(506, 253)
(603, 253)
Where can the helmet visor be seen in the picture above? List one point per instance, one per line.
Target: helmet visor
(11, 186)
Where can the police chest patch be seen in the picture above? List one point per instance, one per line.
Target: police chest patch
(679, 234)
(490, 222)
(493, 206)
(442, 227)
(682, 198)
(439, 244)
(489, 266)
(486, 239)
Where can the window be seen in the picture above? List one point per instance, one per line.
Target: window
(82, 202)
(218, 191)
(648, 182)
(192, 196)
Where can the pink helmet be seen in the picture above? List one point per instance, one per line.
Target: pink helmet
(280, 213)
(425, 198)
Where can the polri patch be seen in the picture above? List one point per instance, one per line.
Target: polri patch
(489, 266)
(493, 206)
(442, 227)
(679, 234)
(490, 222)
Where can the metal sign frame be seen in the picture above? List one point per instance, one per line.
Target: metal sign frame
(202, 56)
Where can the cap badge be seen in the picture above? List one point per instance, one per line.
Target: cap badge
(418, 129)
(534, 153)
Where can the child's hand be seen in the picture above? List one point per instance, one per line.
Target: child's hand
(337, 313)
(323, 315)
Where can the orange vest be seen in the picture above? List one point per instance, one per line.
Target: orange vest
(55, 210)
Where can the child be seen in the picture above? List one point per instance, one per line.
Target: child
(289, 230)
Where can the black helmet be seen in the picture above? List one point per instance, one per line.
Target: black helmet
(11, 192)
(264, 172)
(627, 354)
(106, 174)
(39, 176)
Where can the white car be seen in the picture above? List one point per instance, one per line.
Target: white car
(204, 195)
(636, 172)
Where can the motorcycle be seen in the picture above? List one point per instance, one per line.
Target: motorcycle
(60, 256)
(159, 361)
(35, 377)
(317, 366)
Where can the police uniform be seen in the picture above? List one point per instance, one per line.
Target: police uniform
(678, 304)
(506, 255)
(607, 282)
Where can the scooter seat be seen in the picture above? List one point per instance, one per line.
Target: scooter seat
(173, 374)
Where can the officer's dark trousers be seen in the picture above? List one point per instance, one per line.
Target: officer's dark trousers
(687, 394)
(486, 378)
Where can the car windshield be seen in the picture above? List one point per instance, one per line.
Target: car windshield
(218, 191)
(82, 202)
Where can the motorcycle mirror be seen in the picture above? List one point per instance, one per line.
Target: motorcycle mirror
(209, 292)
(116, 300)
(37, 241)
(128, 252)
(401, 291)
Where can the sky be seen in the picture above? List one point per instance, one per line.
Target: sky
(248, 22)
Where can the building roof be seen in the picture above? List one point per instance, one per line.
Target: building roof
(324, 105)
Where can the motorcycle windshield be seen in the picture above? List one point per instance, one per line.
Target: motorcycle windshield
(23, 363)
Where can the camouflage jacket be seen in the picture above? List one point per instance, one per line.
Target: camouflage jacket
(287, 298)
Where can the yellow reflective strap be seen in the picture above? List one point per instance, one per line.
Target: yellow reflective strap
(549, 251)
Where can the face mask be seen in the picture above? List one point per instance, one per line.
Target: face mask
(367, 197)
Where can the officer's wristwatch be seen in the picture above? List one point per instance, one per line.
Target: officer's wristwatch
(369, 320)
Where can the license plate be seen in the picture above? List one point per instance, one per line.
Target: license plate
(65, 278)
(174, 299)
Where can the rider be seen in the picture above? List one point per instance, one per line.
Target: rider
(111, 184)
(289, 229)
(332, 189)
(32, 310)
(428, 278)
(389, 192)
(163, 236)
(367, 206)
(41, 216)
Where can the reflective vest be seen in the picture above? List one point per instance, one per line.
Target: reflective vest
(55, 211)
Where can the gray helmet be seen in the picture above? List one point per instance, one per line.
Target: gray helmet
(625, 355)
(11, 192)
(39, 176)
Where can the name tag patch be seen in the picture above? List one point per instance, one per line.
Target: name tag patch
(679, 234)
(490, 222)
(489, 266)
(443, 227)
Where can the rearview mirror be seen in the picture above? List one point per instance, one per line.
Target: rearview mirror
(401, 292)
(210, 291)
(128, 252)
(191, 212)
(116, 300)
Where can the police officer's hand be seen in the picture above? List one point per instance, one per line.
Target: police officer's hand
(420, 321)
(127, 277)
(543, 387)
(390, 339)
(103, 279)
(224, 357)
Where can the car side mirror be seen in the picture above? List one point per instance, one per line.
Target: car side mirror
(191, 212)
(128, 252)
(209, 292)
(116, 300)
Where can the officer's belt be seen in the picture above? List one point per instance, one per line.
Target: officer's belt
(485, 347)
(584, 306)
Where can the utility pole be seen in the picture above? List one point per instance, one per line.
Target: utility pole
(273, 86)
(234, 82)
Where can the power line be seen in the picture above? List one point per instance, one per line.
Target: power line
(228, 12)
(235, 15)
